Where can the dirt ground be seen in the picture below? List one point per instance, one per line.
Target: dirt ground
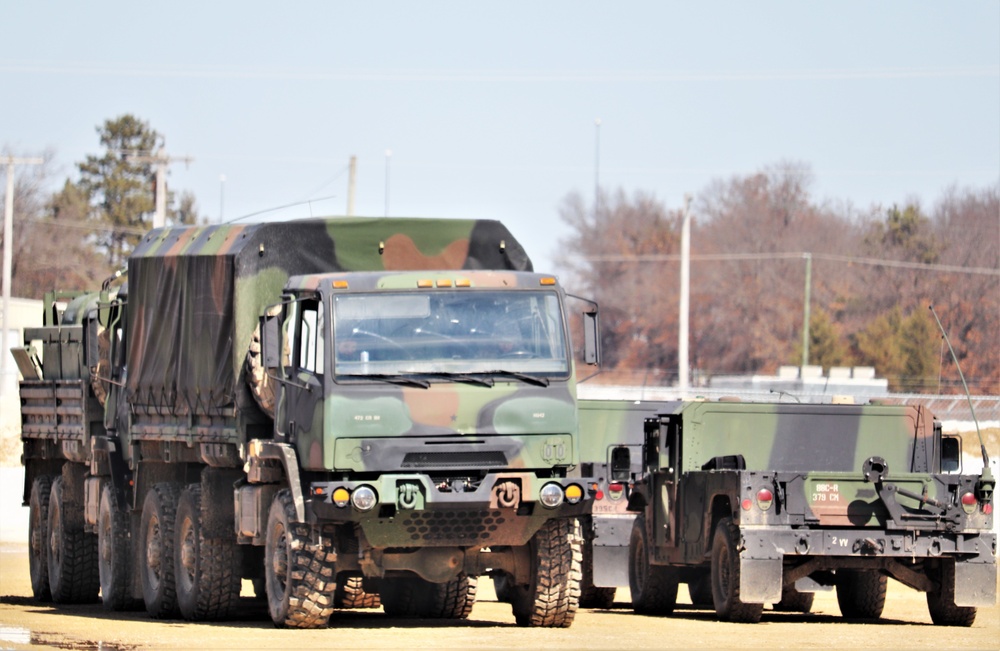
(26, 624)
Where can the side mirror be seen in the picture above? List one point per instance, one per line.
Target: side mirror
(621, 464)
(591, 338)
(270, 332)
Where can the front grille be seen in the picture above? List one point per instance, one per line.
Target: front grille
(459, 527)
(454, 460)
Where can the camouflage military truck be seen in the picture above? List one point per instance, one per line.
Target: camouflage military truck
(61, 417)
(753, 504)
(386, 403)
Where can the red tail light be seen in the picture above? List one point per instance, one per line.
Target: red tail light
(765, 498)
(969, 502)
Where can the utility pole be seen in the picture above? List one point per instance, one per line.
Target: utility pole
(8, 258)
(805, 309)
(160, 160)
(351, 179)
(597, 165)
(685, 307)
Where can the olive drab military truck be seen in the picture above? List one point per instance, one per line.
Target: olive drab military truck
(381, 404)
(753, 504)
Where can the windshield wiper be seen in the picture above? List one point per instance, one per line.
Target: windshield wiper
(460, 377)
(524, 377)
(396, 379)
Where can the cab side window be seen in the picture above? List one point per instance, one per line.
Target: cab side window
(310, 336)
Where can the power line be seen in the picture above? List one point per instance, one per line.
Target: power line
(722, 257)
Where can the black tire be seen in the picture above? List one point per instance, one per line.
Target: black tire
(700, 590)
(72, 552)
(300, 578)
(503, 587)
(156, 550)
(861, 593)
(114, 553)
(452, 599)
(653, 587)
(592, 596)
(552, 598)
(207, 569)
(351, 594)
(941, 601)
(793, 601)
(402, 596)
(38, 537)
(726, 577)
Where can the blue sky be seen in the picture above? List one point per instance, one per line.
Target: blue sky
(489, 108)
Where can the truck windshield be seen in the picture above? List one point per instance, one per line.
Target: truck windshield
(443, 332)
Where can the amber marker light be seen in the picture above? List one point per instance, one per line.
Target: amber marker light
(444, 282)
(341, 497)
(574, 493)
(340, 284)
(425, 284)
(463, 282)
(547, 281)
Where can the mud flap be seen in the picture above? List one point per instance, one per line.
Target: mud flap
(975, 584)
(610, 550)
(760, 580)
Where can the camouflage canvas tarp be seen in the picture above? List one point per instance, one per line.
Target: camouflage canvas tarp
(196, 293)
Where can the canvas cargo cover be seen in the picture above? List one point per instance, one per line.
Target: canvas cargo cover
(196, 293)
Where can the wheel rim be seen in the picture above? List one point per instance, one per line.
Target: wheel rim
(36, 538)
(189, 554)
(279, 561)
(54, 535)
(106, 546)
(105, 551)
(154, 553)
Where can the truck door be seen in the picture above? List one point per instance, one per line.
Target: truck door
(661, 455)
(299, 416)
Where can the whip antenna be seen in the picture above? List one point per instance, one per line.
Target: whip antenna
(982, 446)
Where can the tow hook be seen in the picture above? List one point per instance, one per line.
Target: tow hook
(508, 494)
(869, 547)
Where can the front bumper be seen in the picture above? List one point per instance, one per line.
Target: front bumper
(412, 510)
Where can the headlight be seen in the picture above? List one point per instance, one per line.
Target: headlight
(364, 498)
(551, 495)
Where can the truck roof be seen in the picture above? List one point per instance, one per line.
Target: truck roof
(196, 292)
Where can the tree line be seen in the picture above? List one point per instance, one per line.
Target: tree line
(874, 274)
(83, 232)
(874, 271)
